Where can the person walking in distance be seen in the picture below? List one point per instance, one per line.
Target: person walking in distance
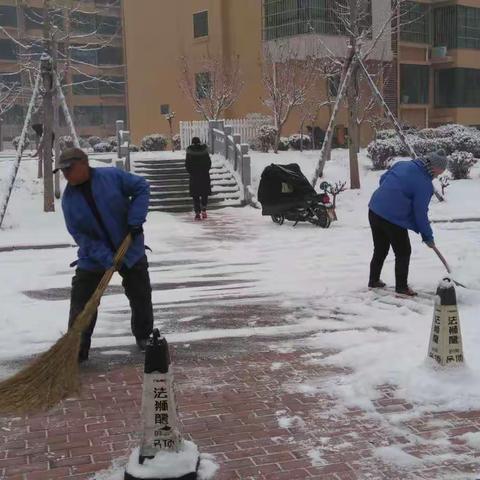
(101, 206)
(400, 204)
(198, 164)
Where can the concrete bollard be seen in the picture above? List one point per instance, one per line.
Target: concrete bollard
(446, 337)
(163, 454)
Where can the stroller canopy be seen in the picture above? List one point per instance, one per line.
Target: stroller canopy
(283, 184)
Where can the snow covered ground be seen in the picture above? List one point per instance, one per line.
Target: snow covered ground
(323, 273)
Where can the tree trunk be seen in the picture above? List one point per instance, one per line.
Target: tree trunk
(40, 163)
(56, 123)
(352, 135)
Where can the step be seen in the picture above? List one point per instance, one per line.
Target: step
(163, 176)
(188, 200)
(186, 209)
(161, 163)
(170, 194)
(145, 170)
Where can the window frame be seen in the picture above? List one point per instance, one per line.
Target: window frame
(196, 34)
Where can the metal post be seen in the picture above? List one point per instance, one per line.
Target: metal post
(56, 123)
(119, 125)
(1, 134)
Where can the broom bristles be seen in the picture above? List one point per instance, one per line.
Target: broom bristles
(54, 375)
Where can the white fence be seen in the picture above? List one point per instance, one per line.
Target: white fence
(243, 126)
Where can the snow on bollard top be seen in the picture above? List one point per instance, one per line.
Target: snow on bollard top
(165, 464)
(446, 292)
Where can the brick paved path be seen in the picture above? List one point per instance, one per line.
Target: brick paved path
(248, 410)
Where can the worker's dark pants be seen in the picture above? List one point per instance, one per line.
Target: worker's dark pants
(385, 234)
(200, 203)
(136, 283)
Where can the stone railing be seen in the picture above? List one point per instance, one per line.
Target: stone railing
(222, 142)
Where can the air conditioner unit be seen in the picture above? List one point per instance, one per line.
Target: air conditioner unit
(439, 52)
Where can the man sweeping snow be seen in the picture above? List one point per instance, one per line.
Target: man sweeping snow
(400, 204)
(100, 206)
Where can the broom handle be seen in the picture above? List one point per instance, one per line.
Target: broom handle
(94, 301)
(442, 258)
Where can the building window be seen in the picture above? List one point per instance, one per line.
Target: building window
(284, 18)
(457, 88)
(8, 16)
(108, 25)
(83, 22)
(200, 24)
(8, 50)
(165, 109)
(33, 18)
(415, 22)
(111, 86)
(414, 84)
(88, 116)
(15, 115)
(468, 25)
(203, 84)
(84, 85)
(457, 27)
(110, 56)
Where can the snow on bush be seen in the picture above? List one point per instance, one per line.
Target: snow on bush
(295, 141)
(154, 142)
(94, 140)
(266, 137)
(450, 138)
(112, 141)
(460, 164)
(177, 143)
(16, 141)
(283, 144)
(133, 148)
(65, 141)
(102, 147)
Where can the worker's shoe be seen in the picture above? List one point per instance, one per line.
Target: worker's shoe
(204, 214)
(142, 344)
(377, 284)
(197, 217)
(407, 291)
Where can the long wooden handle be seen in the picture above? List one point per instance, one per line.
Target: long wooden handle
(83, 319)
(442, 258)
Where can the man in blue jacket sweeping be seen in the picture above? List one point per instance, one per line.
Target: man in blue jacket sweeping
(101, 206)
(400, 204)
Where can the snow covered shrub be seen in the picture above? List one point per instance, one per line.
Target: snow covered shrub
(177, 143)
(154, 143)
(112, 141)
(66, 141)
(296, 139)
(467, 141)
(283, 144)
(450, 129)
(385, 134)
(94, 140)
(266, 137)
(381, 152)
(133, 148)
(16, 141)
(460, 164)
(83, 143)
(102, 147)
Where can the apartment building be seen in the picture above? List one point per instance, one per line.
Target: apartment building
(439, 63)
(90, 60)
(160, 34)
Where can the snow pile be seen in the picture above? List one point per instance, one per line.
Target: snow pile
(166, 464)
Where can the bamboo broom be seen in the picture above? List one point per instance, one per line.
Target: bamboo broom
(54, 375)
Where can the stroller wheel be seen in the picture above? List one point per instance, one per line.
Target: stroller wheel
(323, 218)
(278, 219)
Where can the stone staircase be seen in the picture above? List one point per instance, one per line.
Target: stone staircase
(169, 185)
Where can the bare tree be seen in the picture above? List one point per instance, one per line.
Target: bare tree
(355, 27)
(213, 84)
(286, 80)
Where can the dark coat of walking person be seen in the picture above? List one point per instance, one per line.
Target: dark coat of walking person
(101, 206)
(400, 204)
(198, 164)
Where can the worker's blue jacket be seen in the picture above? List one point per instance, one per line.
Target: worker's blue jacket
(403, 197)
(122, 200)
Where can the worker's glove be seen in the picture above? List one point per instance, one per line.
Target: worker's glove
(135, 230)
(430, 243)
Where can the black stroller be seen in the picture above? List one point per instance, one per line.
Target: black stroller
(285, 193)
